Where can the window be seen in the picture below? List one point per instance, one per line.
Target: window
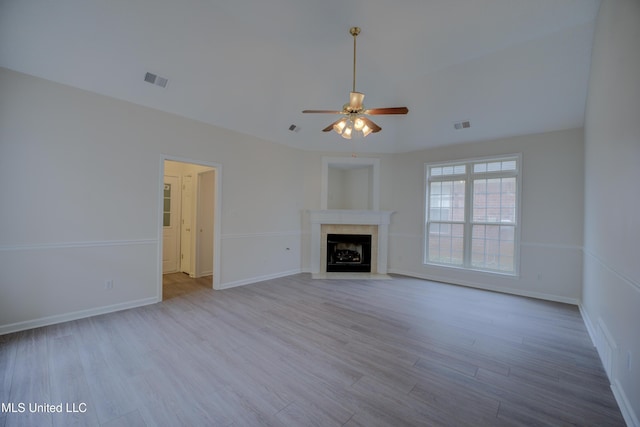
(166, 211)
(472, 216)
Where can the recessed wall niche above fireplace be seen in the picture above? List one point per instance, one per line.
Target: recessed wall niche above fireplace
(350, 183)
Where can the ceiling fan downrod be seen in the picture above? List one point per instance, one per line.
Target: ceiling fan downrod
(354, 31)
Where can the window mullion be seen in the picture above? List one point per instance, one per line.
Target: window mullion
(468, 209)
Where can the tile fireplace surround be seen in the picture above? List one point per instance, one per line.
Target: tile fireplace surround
(337, 221)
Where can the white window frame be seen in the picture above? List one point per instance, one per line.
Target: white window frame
(469, 176)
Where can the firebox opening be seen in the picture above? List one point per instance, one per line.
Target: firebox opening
(349, 253)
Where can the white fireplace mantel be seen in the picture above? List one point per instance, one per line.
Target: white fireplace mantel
(349, 217)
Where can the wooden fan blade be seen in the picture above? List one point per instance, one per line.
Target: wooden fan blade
(322, 111)
(389, 110)
(374, 127)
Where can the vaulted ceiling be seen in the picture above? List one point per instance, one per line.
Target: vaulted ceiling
(510, 67)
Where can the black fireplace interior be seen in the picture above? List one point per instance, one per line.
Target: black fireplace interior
(349, 253)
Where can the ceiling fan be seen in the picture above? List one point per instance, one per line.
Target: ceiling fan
(355, 121)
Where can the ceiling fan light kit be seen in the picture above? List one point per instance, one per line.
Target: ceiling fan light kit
(348, 127)
(355, 122)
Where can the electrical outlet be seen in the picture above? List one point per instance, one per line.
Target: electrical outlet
(108, 284)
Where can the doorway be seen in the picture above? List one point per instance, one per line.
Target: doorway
(189, 233)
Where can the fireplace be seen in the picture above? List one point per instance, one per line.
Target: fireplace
(349, 253)
(371, 223)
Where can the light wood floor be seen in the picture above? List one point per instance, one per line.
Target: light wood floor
(302, 352)
(180, 284)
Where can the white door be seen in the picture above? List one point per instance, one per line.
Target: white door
(204, 223)
(186, 236)
(171, 226)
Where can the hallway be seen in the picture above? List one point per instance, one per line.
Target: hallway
(178, 284)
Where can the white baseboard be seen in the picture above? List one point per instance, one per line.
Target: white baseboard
(66, 317)
(587, 322)
(204, 274)
(256, 279)
(60, 318)
(625, 406)
(618, 391)
(537, 295)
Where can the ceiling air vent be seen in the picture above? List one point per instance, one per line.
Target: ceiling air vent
(462, 125)
(155, 80)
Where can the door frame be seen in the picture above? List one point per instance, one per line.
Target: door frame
(175, 217)
(217, 197)
(187, 224)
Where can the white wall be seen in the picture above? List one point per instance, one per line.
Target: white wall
(350, 188)
(551, 226)
(84, 204)
(336, 189)
(358, 185)
(611, 293)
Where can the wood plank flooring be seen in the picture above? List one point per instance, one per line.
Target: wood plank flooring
(301, 352)
(178, 284)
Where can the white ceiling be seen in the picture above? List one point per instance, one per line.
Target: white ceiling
(511, 67)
